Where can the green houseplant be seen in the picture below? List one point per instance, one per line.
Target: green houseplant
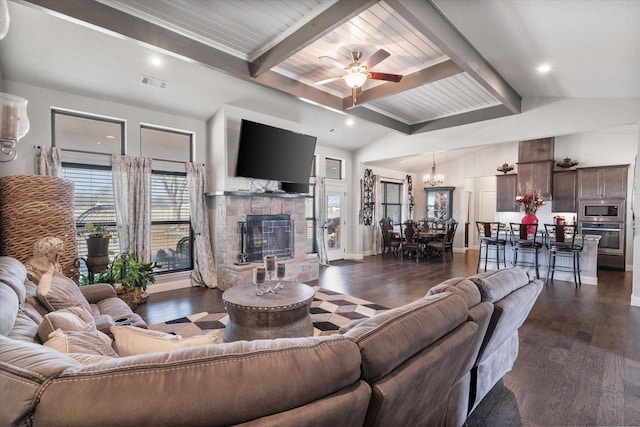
(129, 276)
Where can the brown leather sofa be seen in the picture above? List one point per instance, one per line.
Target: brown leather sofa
(412, 365)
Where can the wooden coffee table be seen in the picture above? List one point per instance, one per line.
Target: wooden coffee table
(282, 315)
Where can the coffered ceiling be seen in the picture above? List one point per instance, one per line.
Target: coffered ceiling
(279, 44)
(462, 61)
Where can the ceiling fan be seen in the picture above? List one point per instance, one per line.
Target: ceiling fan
(358, 73)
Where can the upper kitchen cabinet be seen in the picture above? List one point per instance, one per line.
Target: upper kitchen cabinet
(535, 150)
(607, 182)
(565, 190)
(506, 193)
(535, 176)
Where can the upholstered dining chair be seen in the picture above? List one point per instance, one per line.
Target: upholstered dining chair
(410, 242)
(491, 236)
(525, 240)
(563, 241)
(444, 245)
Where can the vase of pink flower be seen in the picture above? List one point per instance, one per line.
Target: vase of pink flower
(530, 202)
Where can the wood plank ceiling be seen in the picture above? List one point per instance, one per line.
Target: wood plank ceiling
(278, 43)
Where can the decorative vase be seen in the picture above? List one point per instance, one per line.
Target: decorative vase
(97, 254)
(530, 219)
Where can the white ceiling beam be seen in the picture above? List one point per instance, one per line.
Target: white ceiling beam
(427, 19)
(328, 20)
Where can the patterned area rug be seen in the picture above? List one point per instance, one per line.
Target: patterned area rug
(329, 311)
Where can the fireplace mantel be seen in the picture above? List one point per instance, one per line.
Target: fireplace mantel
(254, 194)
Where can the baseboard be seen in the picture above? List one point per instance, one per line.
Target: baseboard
(635, 300)
(170, 282)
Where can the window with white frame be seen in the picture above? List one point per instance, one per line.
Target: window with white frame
(333, 168)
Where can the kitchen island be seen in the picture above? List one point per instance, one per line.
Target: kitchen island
(588, 261)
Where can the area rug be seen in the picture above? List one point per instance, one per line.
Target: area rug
(329, 311)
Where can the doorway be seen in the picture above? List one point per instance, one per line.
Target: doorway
(336, 223)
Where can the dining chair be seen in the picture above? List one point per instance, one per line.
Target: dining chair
(411, 243)
(525, 240)
(444, 245)
(563, 241)
(489, 238)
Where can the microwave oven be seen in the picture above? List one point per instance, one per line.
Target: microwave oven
(601, 210)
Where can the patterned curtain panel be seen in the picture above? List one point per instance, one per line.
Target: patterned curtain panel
(48, 161)
(132, 197)
(204, 273)
(321, 199)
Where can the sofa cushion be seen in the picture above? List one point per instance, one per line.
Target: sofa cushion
(56, 292)
(459, 286)
(497, 284)
(13, 273)
(88, 342)
(8, 309)
(72, 319)
(388, 339)
(130, 340)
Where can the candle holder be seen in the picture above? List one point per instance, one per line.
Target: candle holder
(269, 278)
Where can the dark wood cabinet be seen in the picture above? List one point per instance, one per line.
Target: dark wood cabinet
(565, 191)
(535, 176)
(602, 182)
(506, 193)
(535, 150)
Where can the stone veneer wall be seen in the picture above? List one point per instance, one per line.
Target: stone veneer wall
(232, 208)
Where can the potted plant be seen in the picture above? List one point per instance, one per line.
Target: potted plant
(129, 277)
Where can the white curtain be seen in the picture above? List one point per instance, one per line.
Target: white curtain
(321, 202)
(204, 272)
(376, 238)
(132, 195)
(48, 161)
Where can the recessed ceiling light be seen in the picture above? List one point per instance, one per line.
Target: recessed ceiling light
(110, 137)
(156, 61)
(350, 121)
(544, 68)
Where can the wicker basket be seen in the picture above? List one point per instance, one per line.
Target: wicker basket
(33, 207)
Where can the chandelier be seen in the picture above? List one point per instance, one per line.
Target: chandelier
(434, 178)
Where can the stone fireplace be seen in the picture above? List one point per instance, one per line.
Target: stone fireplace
(273, 223)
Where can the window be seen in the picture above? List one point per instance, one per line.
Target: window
(392, 201)
(310, 245)
(333, 168)
(171, 234)
(170, 224)
(88, 143)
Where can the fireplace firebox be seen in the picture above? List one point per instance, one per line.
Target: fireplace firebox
(262, 235)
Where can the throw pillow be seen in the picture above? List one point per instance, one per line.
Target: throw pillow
(131, 340)
(72, 319)
(56, 292)
(88, 342)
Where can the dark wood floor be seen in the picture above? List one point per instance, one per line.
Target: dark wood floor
(579, 360)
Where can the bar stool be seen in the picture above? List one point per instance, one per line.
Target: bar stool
(489, 238)
(562, 242)
(524, 239)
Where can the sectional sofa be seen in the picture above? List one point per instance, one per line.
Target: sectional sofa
(419, 364)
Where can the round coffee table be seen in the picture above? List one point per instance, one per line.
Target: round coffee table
(282, 315)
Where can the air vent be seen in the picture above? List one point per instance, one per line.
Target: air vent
(151, 81)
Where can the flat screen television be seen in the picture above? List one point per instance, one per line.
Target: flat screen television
(267, 152)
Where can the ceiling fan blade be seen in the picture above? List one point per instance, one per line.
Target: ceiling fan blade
(329, 60)
(329, 80)
(376, 58)
(385, 76)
